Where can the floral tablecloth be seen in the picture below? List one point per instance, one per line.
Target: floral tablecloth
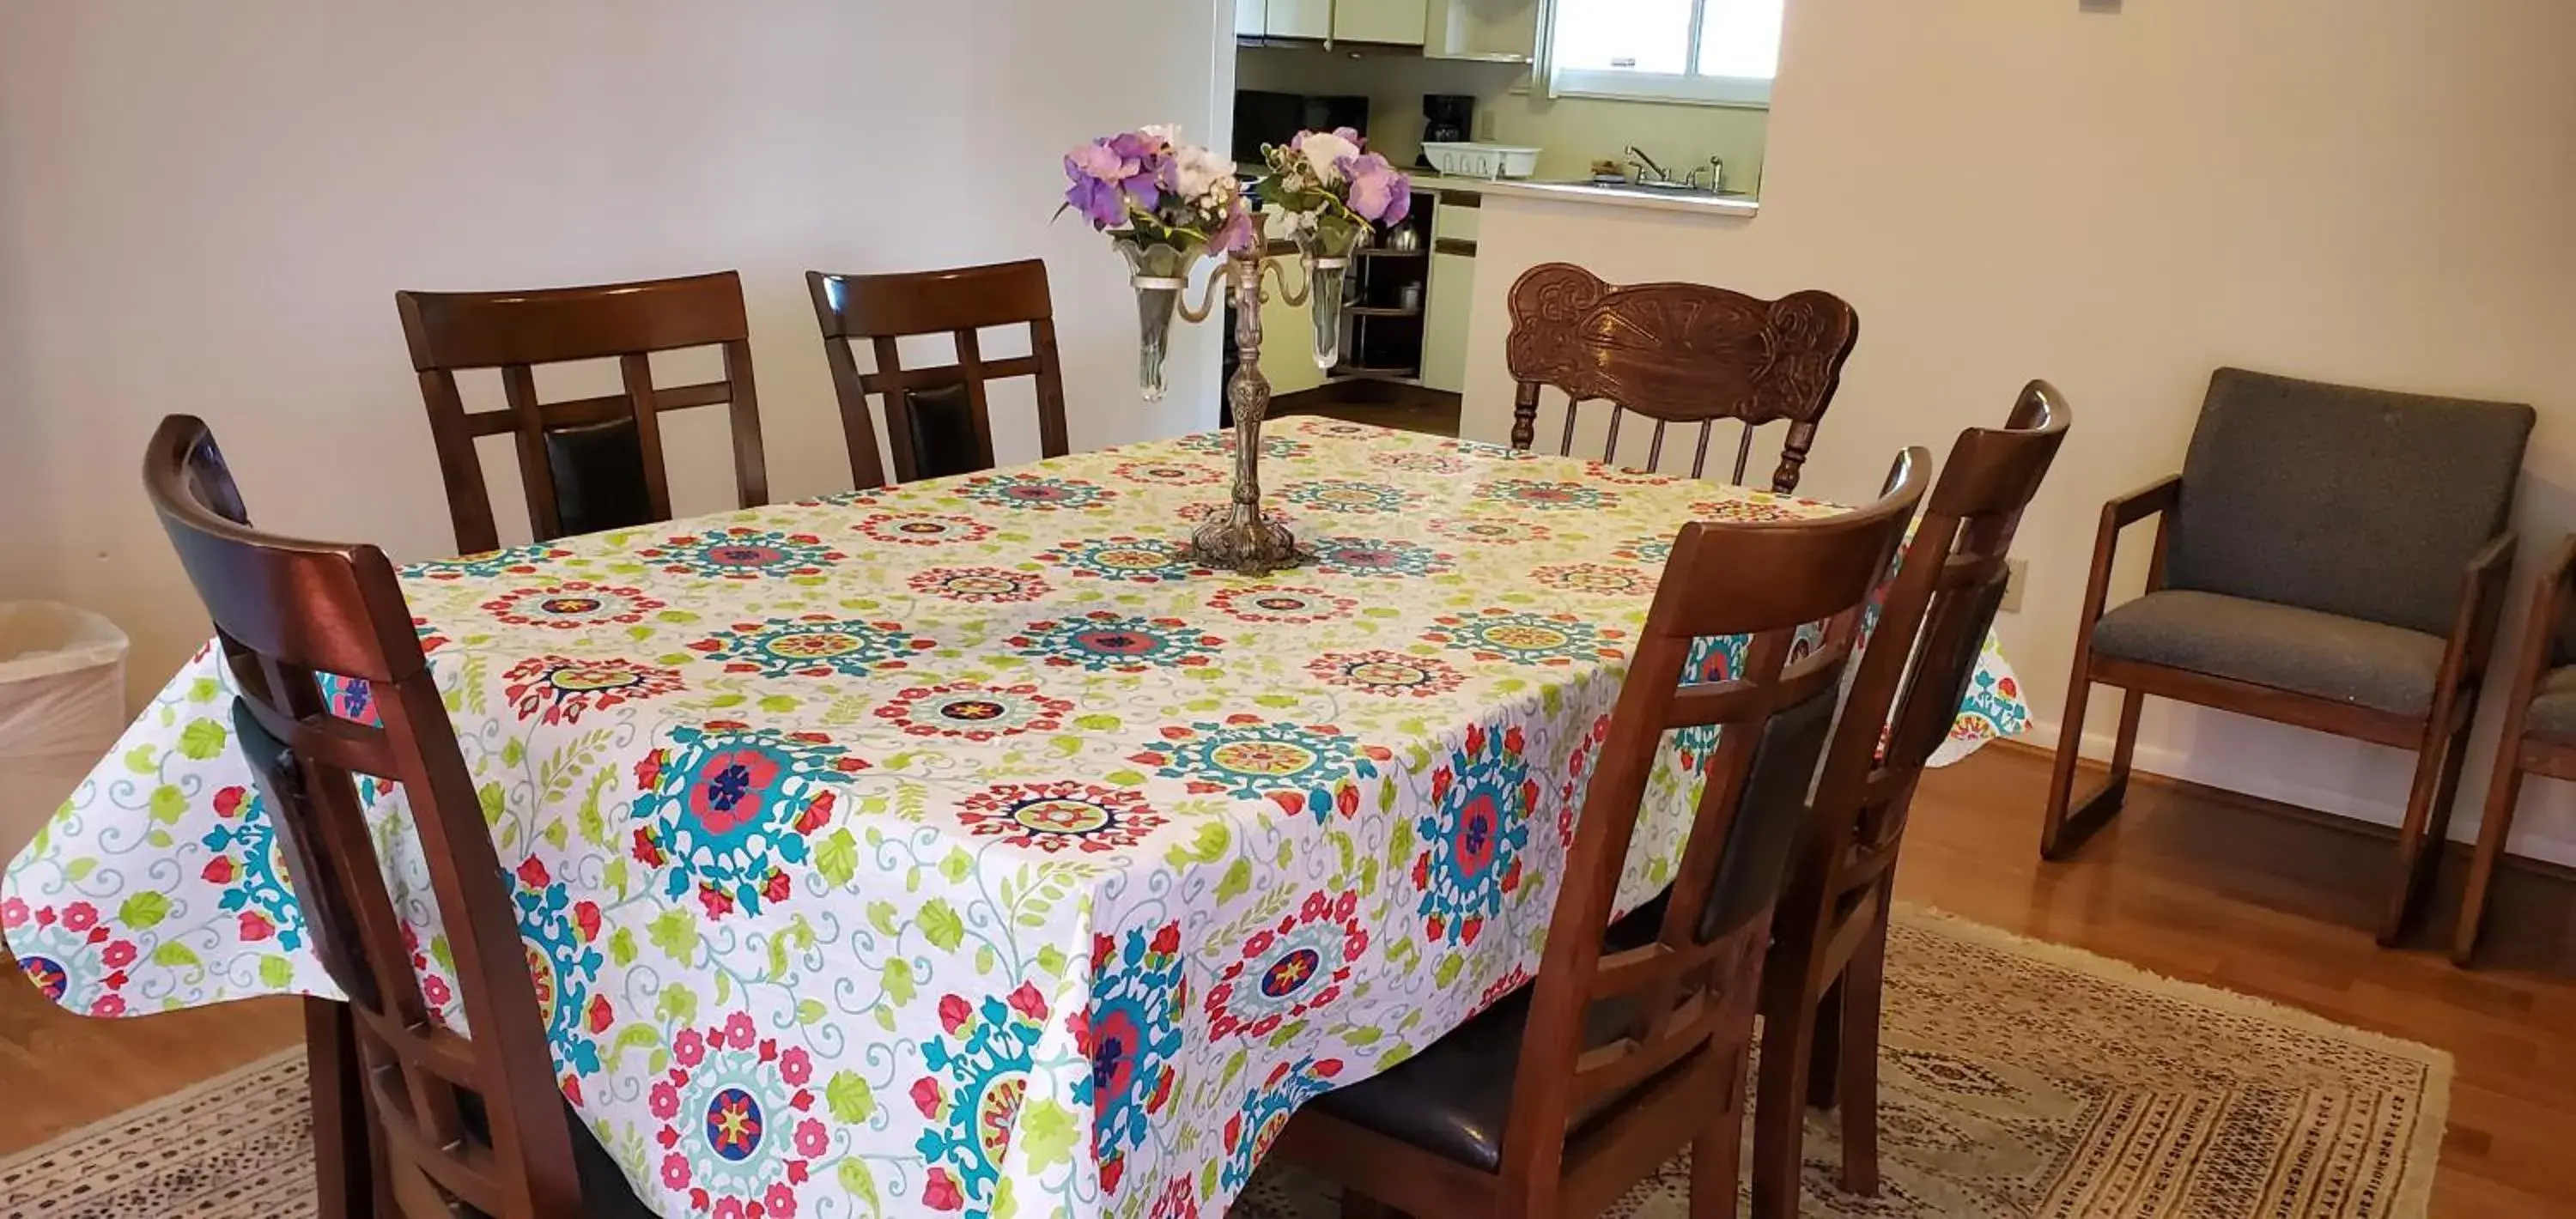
(959, 847)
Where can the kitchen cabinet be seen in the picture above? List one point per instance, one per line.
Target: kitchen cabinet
(1251, 17)
(1295, 18)
(1450, 300)
(1496, 31)
(1397, 22)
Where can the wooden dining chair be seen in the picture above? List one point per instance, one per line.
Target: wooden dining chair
(2329, 558)
(1560, 1098)
(937, 418)
(1677, 353)
(2538, 737)
(586, 464)
(462, 1122)
(1822, 984)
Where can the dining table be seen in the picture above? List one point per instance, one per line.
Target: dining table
(963, 846)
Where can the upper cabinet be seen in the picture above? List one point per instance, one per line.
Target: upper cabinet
(1295, 18)
(1251, 18)
(1501, 31)
(1396, 22)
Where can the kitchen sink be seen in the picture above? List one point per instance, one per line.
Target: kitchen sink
(1684, 189)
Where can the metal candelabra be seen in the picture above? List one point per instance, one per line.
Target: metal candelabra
(1241, 539)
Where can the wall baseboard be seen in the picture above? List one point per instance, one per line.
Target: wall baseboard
(2173, 768)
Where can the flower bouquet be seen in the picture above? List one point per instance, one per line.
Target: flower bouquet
(1332, 191)
(1165, 205)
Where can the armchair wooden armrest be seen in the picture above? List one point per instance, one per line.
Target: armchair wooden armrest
(2156, 497)
(2482, 602)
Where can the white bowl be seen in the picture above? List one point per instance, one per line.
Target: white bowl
(1482, 160)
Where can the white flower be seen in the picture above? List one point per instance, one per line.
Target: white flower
(1168, 134)
(1323, 151)
(1201, 171)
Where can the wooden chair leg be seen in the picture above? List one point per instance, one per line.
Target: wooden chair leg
(2067, 829)
(2420, 837)
(1779, 1109)
(1862, 985)
(343, 1169)
(1717, 1154)
(1825, 1048)
(2504, 792)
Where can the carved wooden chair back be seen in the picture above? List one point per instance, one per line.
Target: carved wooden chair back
(1683, 1003)
(334, 687)
(1677, 353)
(938, 419)
(586, 464)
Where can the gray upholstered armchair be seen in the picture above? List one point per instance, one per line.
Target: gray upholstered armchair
(2331, 558)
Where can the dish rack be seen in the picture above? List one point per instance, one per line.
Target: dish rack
(1482, 160)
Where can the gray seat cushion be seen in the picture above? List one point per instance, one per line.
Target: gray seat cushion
(2553, 706)
(2356, 502)
(2283, 646)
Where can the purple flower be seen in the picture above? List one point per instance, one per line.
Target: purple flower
(1096, 172)
(1236, 234)
(1378, 192)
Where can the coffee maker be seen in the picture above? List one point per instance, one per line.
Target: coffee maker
(1447, 118)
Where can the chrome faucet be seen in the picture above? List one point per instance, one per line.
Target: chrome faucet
(1642, 168)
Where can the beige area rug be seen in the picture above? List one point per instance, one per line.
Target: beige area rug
(2017, 1079)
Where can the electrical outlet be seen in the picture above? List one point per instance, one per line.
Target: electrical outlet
(2016, 574)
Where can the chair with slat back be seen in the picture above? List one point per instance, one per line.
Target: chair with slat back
(586, 464)
(1561, 1097)
(938, 422)
(471, 1122)
(1677, 353)
(1829, 937)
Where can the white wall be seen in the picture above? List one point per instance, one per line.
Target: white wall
(208, 207)
(2368, 191)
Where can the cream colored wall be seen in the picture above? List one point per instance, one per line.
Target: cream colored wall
(207, 208)
(2366, 191)
(1572, 131)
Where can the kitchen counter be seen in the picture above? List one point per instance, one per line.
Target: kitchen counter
(1615, 196)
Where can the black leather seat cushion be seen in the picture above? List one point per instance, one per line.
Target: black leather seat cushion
(1455, 1097)
(598, 471)
(604, 1191)
(943, 432)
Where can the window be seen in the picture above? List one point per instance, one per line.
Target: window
(1720, 52)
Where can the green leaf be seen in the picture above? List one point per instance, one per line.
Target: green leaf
(1275, 700)
(493, 803)
(1208, 847)
(204, 690)
(78, 869)
(858, 1183)
(957, 866)
(852, 1101)
(275, 972)
(898, 984)
(1237, 880)
(777, 957)
(593, 827)
(143, 760)
(614, 876)
(174, 954)
(1006, 1201)
(1448, 971)
(512, 752)
(555, 834)
(1098, 723)
(724, 989)
(881, 917)
(722, 701)
(838, 858)
(678, 1004)
(621, 947)
(168, 804)
(1125, 778)
(1359, 1034)
(1051, 960)
(632, 1037)
(985, 959)
(202, 740)
(438, 952)
(675, 932)
(158, 839)
(940, 925)
(778, 704)
(1047, 1130)
(809, 1011)
(144, 909)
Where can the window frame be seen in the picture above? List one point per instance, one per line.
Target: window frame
(1687, 88)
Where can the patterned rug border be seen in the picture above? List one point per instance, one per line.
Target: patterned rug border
(168, 1100)
(2414, 1196)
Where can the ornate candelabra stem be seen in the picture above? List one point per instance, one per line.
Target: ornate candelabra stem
(1242, 539)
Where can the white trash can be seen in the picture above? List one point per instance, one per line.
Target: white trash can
(62, 707)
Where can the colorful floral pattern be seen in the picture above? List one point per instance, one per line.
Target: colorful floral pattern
(1034, 492)
(1353, 498)
(814, 645)
(810, 869)
(1548, 495)
(1599, 579)
(1472, 841)
(740, 552)
(1064, 815)
(1105, 640)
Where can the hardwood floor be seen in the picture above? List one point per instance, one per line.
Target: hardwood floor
(2191, 884)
